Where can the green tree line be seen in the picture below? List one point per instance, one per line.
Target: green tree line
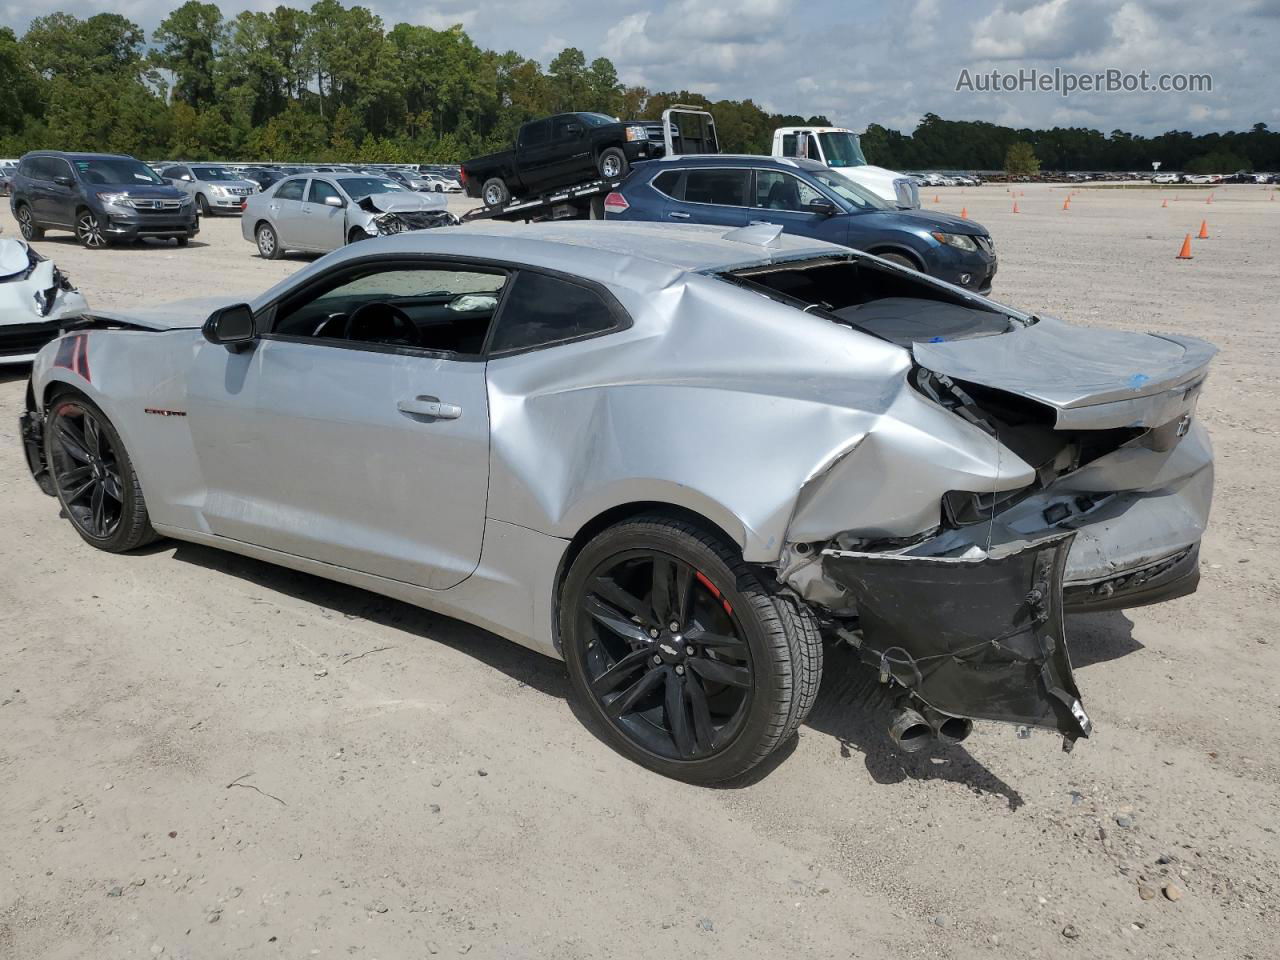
(332, 82)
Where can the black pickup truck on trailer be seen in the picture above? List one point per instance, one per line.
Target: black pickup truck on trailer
(559, 151)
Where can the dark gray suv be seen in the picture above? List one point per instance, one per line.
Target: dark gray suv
(100, 198)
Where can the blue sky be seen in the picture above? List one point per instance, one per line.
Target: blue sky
(887, 63)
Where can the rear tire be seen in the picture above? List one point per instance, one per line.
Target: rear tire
(268, 242)
(27, 224)
(734, 678)
(94, 477)
(495, 192)
(613, 164)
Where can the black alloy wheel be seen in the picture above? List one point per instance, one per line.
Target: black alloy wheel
(668, 662)
(86, 471)
(94, 478)
(694, 668)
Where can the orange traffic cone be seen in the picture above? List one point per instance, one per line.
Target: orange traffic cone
(1185, 252)
(1015, 206)
(1066, 204)
(964, 213)
(935, 199)
(1204, 231)
(1164, 203)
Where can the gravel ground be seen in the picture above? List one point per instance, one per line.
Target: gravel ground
(205, 756)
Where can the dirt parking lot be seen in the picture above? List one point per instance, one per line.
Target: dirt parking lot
(203, 756)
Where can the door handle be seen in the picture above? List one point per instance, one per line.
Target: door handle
(430, 407)
(678, 216)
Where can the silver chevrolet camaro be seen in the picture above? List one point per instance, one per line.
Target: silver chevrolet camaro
(678, 458)
(320, 212)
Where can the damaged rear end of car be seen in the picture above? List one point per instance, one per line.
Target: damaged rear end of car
(1099, 482)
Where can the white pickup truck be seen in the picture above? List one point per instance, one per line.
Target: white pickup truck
(840, 150)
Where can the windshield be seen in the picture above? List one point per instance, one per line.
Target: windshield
(213, 173)
(846, 189)
(360, 187)
(596, 119)
(842, 150)
(116, 170)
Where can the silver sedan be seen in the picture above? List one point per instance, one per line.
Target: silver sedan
(681, 459)
(316, 213)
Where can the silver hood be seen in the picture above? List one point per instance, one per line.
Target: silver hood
(177, 315)
(404, 202)
(1094, 379)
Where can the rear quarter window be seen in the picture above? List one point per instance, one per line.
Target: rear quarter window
(669, 182)
(542, 310)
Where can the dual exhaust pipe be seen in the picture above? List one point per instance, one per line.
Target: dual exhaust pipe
(913, 726)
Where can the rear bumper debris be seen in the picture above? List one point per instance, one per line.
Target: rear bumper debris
(980, 637)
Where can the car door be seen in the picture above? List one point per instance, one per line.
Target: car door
(571, 151)
(336, 439)
(534, 156)
(53, 202)
(786, 200)
(182, 178)
(285, 210)
(322, 224)
(715, 195)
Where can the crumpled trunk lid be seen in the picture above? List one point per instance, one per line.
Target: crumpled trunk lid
(1093, 379)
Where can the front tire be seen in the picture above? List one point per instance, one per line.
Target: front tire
(495, 192)
(268, 242)
(94, 477)
(691, 665)
(613, 164)
(356, 234)
(89, 231)
(900, 259)
(203, 203)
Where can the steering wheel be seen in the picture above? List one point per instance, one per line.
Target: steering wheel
(381, 322)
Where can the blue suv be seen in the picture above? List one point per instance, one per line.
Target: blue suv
(808, 198)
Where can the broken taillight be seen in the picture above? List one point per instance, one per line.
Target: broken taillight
(615, 203)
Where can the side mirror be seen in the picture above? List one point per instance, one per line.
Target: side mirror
(332, 201)
(63, 180)
(823, 208)
(233, 327)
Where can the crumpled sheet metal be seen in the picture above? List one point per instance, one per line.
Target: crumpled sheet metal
(661, 413)
(17, 297)
(1096, 378)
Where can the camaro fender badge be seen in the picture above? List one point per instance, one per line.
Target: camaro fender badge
(73, 354)
(161, 412)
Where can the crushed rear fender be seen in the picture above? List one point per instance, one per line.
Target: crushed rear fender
(979, 637)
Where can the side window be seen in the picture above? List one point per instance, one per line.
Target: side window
(321, 191)
(723, 187)
(535, 134)
(290, 190)
(57, 167)
(561, 125)
(542, 310)
(427, 307)
(172, 173)
(788, 144)
(781, 191)
(811, 148)
(668, 182)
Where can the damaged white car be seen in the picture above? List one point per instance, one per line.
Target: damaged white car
(317, 213)
(678, 458)
(35, 299)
